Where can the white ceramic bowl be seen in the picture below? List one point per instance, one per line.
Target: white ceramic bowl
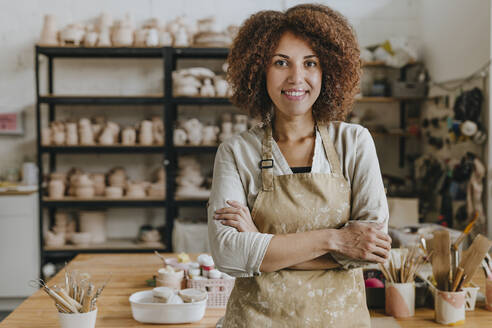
(81, 238)
(143, 310)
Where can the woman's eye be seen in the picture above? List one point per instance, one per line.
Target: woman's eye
(311, 64)
(281, 63)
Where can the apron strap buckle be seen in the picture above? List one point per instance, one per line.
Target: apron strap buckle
(263, 164)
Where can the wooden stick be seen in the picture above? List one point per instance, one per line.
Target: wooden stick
(58, 299)
(67, 298)
(392, 270)
(402, 272)
(86, 302)
(461, 282)
(457, 278)
(387, 276)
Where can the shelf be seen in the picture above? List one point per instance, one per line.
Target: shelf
(387, 99)
(101, 100)
(110, 246)
(102, 149)
(201, 52)
(200, 101)
(105, 52)
(72, 202)
(196, 149)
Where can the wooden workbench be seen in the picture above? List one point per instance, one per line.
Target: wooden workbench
(129, 273)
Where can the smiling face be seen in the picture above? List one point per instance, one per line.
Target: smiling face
(293, 77)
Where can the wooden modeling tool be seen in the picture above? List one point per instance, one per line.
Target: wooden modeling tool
(457, 278)
(441, 262)
(473, 256)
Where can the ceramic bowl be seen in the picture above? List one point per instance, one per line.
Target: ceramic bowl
(144, 310)
(81, 238)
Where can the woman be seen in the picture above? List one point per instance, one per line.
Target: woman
(284, 193)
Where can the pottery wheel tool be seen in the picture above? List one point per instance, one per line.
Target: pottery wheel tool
(473, 256)
(441, 262)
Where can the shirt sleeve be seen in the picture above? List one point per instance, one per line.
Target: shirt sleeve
(236, 253)
(369, 202)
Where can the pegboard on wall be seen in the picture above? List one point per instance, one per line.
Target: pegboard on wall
(453, 152)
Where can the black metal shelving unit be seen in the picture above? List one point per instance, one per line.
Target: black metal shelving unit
(169, 56)
(170, 104)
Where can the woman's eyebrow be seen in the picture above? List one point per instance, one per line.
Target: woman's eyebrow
(287, 57)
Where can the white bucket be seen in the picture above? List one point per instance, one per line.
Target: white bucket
(78, 320)
(400, 299)
(449, 307)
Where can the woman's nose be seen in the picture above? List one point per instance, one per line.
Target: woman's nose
(296, 74)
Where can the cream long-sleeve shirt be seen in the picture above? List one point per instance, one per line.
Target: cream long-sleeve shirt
(237, 177)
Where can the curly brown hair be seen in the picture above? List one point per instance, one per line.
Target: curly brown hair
(330, 36)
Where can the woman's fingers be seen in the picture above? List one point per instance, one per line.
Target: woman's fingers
(228, 210)
(231, 223)
(233, 217)
(381, 252)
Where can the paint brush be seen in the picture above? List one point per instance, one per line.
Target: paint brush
(465, 232)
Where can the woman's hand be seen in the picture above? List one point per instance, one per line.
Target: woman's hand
(363, 241)
(236, 216)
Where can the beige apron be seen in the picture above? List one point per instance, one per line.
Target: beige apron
(293, 298)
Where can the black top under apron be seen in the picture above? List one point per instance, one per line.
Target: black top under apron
(301, 169)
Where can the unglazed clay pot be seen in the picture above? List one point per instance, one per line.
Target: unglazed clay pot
(123, 36)
(117, 177)
(49, 32)
(106, 138)
(72, 35)
(56, 189)
(135, 190)
(85, 132)
(207, 90)
(90, 39)
(146, 137)
(54, 239)
(128, 136)
(165, 39)
(210, 135)
(158, 130)
(99, 180)
(157, 190)
(180, 137)
(140, 37)
(104, 38)
(226, 131)
(114, 192)
(84, 192)
(221, 86)
(152, 38)
(72, 137)
(59, 138)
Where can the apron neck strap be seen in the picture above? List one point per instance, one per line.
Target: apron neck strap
(266, 163)
(330, 151)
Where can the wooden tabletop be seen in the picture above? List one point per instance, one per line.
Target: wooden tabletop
(129, 275)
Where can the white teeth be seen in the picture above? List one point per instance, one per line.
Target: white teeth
(295, 93)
